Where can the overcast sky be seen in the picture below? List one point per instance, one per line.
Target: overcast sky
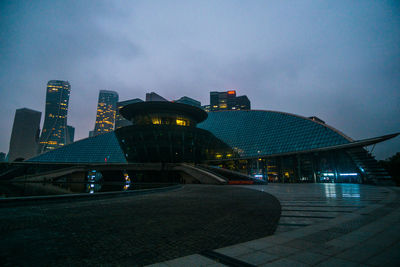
(338, 60)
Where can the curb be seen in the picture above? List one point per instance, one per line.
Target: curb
(71, 197)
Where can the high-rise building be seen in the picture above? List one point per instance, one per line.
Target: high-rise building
(228, 101)
(106, 109)
(2, 156)
(154, 97)
(70, 134)
(120, 121)
(188, 101)
(54, 133)
(25, 134)
(241, 102)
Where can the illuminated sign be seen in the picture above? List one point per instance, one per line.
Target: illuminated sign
(232, 92)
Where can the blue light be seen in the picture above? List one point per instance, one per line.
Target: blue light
(349, 174)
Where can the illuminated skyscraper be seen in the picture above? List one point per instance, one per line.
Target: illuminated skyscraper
(54, 133)
(106, 110)
(25, 134)
(228, 101)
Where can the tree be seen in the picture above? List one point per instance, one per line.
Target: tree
(392, 166)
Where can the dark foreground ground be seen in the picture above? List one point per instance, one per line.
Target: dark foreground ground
(134, 230)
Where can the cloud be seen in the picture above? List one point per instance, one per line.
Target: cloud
(339, 61)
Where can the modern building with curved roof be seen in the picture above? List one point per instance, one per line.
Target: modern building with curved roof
(269, 145)
(258, 133)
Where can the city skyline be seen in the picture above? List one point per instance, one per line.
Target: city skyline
(337, 61)
(54, 132)
(106, 112)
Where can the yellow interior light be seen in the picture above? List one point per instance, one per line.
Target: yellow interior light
(180, 122)
(156, 121)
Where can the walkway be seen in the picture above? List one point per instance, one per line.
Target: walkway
(321, 225)
(133, 230)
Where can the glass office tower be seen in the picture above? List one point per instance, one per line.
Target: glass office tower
(54, 133)
(25, 134)
(106, 110)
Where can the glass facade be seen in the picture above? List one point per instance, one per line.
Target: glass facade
(322, 167)
(103, 148)
(169, 143)
(164, 118)
(106, 111)
(253, 133)
(54, 133)
(267, 145)
(166, 132)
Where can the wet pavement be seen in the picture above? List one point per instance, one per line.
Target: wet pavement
(321, 225)
(28, 189)
(134, 230)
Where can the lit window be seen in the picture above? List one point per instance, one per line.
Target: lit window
(156, 121)
(223, 106)
(180, 122)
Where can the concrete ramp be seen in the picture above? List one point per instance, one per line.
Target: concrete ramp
(193, 174)
(52, 175)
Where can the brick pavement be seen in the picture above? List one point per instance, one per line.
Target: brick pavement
(134, 230)
(321, 225)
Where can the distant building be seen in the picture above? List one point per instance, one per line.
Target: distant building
(25, 134)
(70, 134)
(228, 101)
(120, 121)
(188, 101)
(268, 145)
(314, 118)
(54, 133)
(206, 108)
(106, 109)
(241, 102)
(154, 97)
(2, 156)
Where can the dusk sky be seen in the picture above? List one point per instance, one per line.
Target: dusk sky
(338, 60)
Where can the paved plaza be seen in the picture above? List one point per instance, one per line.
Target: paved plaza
(320, 225)
(202, 225)
(133, 230)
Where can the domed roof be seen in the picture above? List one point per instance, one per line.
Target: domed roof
(256, 133)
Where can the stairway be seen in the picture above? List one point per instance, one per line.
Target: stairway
(372, 171)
